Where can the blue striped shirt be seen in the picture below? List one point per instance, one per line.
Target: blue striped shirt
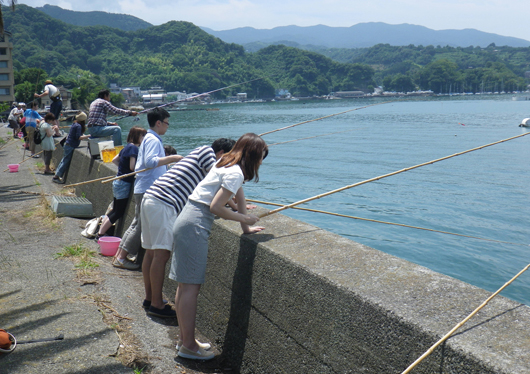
(174, 187)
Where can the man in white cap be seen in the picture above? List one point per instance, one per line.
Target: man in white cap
(56, 106)
(72, 142)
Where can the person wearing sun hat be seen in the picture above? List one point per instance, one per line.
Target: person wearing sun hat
(57, 104)
(72, 142)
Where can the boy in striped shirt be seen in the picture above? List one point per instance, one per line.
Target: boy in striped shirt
(161, 204)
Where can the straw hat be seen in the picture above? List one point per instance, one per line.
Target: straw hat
(48, 81)
(81, 117)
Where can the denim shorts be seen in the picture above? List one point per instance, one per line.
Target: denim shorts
(121, 189)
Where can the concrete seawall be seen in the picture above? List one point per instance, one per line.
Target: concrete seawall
(297, 299)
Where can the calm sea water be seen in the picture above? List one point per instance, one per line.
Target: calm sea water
(485, 193)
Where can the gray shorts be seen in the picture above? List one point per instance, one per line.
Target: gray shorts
(190, 243)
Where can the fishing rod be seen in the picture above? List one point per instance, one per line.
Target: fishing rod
(328, 116)
(386, 175)
(8, 143)
(87, 182)
(193, 97)
(458, 325)
(389, 223)
(124, 176)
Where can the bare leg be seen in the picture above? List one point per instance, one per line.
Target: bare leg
(146, 272)
(105, 225)
(186, 305)
(156, 274)
(122, 254)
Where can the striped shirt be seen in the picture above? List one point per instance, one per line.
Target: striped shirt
(174, 187)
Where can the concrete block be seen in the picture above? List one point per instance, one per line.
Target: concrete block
(72, 206)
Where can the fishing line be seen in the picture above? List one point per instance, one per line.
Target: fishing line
(328, 116)
(386, 175)
(194, 97)
(311, 137)
(389, 223)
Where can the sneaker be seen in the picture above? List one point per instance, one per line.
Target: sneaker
(167, 312)
(147, 303)
(201, 354)
(205, 346)
(57, 180)
(35, 156)
(126, 264)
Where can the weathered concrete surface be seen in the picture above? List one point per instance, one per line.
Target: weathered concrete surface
(40, 297)
(298, 299)
(295, 298)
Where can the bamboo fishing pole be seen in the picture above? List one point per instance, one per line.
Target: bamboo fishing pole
(386, 175)
(124, 176)
(433, 347)
(8, 143)
(194, 97)
(328, 116)
(28, 158)
(90, 181)
(389, 223)
(55, 144)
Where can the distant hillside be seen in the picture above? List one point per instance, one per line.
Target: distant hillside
(119, 21)
(365, 35)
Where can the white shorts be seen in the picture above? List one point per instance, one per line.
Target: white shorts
(157, 220)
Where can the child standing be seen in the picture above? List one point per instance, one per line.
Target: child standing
(121, 188)
(48, 145)
(72, 142)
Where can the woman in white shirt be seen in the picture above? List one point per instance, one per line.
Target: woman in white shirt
(192, 230)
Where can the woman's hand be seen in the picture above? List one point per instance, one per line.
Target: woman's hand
(253, 230)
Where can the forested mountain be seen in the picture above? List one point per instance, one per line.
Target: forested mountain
(120, 21)
(363, 35)
(180, 56)
(176, 56)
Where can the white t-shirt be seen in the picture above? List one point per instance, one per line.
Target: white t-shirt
(230, 178)
(52, 90)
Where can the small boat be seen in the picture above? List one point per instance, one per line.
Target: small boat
(525, 123)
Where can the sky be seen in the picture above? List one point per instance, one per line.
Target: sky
(507, 18)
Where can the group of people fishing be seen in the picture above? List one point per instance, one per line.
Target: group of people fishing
(174, 208)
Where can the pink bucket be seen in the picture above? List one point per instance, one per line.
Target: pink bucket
(108, 245)
(13, 168)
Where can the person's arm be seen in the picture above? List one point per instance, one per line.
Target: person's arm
(116, 160)
(151, 159)
(49, 131)
(217, 207)
(132, 162)
(169, 159)
(232, 204)
(111, 108)
(42, 94)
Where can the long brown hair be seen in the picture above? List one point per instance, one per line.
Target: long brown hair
(247, 153)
